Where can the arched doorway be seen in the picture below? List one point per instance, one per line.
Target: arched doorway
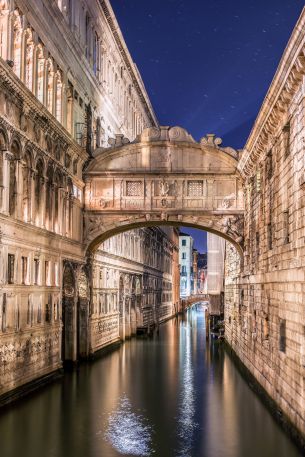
(68, 315)
(83, 301)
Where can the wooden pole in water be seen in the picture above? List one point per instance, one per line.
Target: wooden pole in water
(207, 324)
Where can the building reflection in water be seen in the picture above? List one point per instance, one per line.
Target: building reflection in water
(170, 396)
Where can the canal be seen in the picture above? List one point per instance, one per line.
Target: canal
(169, 396)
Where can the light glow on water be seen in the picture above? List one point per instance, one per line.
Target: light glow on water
(129, 432)
(186, 421)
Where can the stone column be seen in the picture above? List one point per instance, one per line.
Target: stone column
(19, 190)
(42, 209)
(7, 157)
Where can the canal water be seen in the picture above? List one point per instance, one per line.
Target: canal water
(169, 396)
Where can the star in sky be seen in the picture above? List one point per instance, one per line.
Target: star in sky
(207, 64)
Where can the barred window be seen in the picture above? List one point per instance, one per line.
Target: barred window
(195, 188)
(286, 139)
(134, 188)
(282, 342)
(286, 226)
(269, 236)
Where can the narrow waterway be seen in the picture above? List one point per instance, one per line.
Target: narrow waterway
(168, 396)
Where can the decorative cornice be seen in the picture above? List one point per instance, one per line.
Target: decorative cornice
(130, 66)
(16, 86)
(285, 83)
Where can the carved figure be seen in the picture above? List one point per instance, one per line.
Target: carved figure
(164, 188)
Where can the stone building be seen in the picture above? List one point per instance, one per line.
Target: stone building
(186, 243)
(265, 304)
(135, 284)
(67, 86)
(215, 272)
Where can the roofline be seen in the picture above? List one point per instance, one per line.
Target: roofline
(130, 65)
(292, 50)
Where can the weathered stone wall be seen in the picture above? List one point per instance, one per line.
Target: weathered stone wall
(265, 305)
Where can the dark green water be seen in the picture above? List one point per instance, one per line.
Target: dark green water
(169, 396)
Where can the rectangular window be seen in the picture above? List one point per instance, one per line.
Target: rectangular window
(56, 269)
(48, 311)
(11, 269)
(269, 235)
(24, 269)
(282, 335)
(47, 272)
(286, 226)
(39, 313)
(195, 188)
(134, 188)
(183, 242)
(36, 271)
(257, 243)
(184, 255)
(269, 165)
(286, 139)
(4, 312)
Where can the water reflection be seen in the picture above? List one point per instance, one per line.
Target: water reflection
(128, 432)
(186, 418)
(170, 396)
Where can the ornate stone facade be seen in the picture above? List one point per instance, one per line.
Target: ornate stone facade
(68, 90)
(135, 284)
(67, 85)
(164, 176)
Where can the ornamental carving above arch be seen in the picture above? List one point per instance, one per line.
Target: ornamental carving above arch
(164, 177)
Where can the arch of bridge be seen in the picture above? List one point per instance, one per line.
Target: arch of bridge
(164, 177)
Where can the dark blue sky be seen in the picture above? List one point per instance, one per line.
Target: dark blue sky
(207, 64)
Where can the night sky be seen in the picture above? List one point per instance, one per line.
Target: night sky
(207, 65)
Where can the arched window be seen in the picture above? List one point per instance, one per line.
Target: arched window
(49, 197)
(3, 147)
(69, 210)
(17, 43)
(38, 190)
(50, 84)
(4, 28)
(29, 59)
(40, 73)
(58, 97)
(26, 188)
(58, 184)
(15, 150)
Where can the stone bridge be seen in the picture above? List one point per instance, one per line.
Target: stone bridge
(188, 302)
(163, 177)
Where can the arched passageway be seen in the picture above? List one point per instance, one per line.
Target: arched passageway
(164, 177)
